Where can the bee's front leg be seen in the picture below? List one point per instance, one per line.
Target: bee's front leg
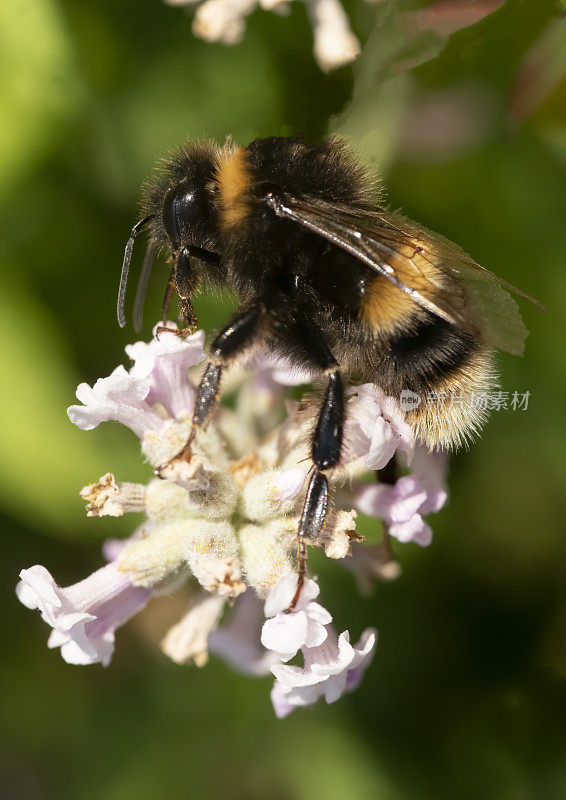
(183, 280)
(234, 339)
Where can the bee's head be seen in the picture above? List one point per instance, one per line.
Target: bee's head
(182, 199)
(181, 216)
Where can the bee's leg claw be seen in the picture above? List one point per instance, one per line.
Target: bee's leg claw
(157, 471)
(163, 329)
(188, 317)
(181, 332)
(183, 455)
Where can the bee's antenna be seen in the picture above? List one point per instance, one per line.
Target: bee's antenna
(141, 290)
(126, 268)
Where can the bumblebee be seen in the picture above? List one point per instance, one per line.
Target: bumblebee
(329, 279)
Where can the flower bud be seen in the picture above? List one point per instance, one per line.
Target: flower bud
(266, 557)
(188, 639)
(271, 494)
(156, 556)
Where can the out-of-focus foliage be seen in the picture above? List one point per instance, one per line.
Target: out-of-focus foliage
(466, 696)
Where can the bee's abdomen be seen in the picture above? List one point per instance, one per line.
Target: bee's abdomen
(450, 372)
(431, 350)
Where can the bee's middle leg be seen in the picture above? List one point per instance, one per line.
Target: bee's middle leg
(234, 339)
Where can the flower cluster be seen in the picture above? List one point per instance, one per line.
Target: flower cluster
(334, 45)
(224, 521)
(331, 665)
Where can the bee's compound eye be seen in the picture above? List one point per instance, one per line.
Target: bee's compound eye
(184, 206)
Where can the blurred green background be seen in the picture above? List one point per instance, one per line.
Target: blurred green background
(466, 696)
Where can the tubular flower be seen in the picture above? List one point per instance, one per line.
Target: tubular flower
(225, 520)
(332, 666)
(84, 616)
(403, 505)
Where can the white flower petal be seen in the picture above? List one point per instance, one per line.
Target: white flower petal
(375, 427)
(285, 634)
(293, 677)
(164, 362)
(281, 705)
(37, 586)
(333, 658)
(281, 595)
(364, 647)
(414, 530)
(335, 686)
(319, 613)
(334, 41)
(120, 398)
(315, 634)
(364, 653)
(330, 670)
(73, 653)
(304, 627)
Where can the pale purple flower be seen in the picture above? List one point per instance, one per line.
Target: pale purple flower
(272, 373)
(237, 642)
(330, 670)
(331, 665)
(83, 616)
(164, 362)
(283, 371)
(398, 506)
(286, 633)
(121, 397)
(431, 468)
(364, 653)
(403, 505)
(226, 517)
(371, 562)
(375, 427)
(159, 375)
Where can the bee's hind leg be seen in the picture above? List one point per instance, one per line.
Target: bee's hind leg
(325, 452)
(235, 338)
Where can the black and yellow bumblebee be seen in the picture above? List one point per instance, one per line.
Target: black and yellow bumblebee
(329, 279)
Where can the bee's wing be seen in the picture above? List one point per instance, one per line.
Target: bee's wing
(409, 255)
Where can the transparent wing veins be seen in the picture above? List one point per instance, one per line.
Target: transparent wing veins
(466, 294)
(353, 242)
